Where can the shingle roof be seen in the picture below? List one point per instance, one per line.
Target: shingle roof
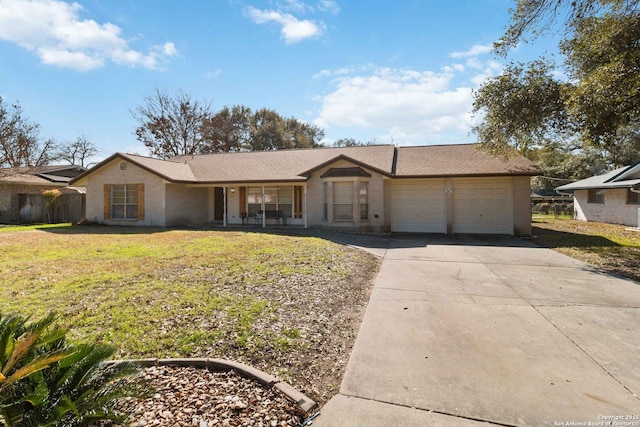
(626, 176)
(173, 170)
(458, 160)
(40, 175)
(283, 165)
(297, 165)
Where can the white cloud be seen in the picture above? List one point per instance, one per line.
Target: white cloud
(296, 6)
(329, 73)
(213, 74)
(329, 6)
(476, 50)
(403, 105)
(169, 49)
(293, 29)
(54, 30)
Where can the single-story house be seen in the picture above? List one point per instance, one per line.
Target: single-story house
(613, 197)
(428, 189)
(21, 190)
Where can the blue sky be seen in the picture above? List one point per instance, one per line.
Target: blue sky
(389, 71)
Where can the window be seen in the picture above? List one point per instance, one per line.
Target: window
(325, 198)
(632, 197)
(285, 201)
(364, 200)
(124, 201)
(343, 201)
(275, 199)
(595, 196)
(254, 200)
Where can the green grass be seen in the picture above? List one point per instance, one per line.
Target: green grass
(610, 247)
(14, 228)
(286, 305)
(164, 293)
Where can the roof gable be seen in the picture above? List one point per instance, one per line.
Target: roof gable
(166, 169)
(346, 172)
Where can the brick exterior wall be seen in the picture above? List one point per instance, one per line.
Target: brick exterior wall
(376, 221)
(614, 210)
(154, 193)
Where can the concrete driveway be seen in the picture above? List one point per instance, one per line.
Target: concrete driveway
(468, 330)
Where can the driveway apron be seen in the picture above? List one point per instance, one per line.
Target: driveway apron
(470, 330)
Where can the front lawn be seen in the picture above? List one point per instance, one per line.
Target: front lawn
(287, 305)
(610, 247)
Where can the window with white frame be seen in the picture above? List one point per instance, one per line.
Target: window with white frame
(124, 201)
(325, 201)
(364, 200)
(343, 201)
(275, 199)
(254, 200)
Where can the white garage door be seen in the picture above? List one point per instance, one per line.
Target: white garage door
(482, 205)
(418, 206)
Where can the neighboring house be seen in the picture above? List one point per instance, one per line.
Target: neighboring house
(21, 190)
(429, 189)
(541, 195)
(607, 198)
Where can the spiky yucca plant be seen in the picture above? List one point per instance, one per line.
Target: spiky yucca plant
(47, 382)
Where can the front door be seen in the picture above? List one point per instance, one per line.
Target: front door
(218, 204)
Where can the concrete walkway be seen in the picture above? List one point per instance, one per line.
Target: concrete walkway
(467, 331)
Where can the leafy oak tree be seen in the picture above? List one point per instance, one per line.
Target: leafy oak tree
(595, 108)
(240, 129)
(171, 126)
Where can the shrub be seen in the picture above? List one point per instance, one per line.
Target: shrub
(51, 200)
(46, 381)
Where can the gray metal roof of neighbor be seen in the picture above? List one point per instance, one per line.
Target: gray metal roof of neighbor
(296, 165)
(623, 177)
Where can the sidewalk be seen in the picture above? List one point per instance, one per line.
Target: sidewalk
(470, 331)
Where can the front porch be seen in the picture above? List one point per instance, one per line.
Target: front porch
(267, 205)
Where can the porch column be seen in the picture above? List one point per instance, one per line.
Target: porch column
(224, 212)
(304, 206)
(264, 213)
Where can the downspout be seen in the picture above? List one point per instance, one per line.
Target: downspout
(264, 213)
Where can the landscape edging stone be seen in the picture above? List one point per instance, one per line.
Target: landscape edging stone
(246, 371)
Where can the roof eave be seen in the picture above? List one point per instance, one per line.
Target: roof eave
(469, 175)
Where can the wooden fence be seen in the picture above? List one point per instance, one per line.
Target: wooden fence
(69, 208)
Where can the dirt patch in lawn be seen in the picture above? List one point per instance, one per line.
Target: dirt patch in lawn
(610, 247)
(288, 305)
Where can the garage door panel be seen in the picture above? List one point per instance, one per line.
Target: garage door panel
(418, 206)
(482, 205)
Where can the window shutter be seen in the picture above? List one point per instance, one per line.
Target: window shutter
(243, 201)
(297, 199)
(140, 202)
(107, 201)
